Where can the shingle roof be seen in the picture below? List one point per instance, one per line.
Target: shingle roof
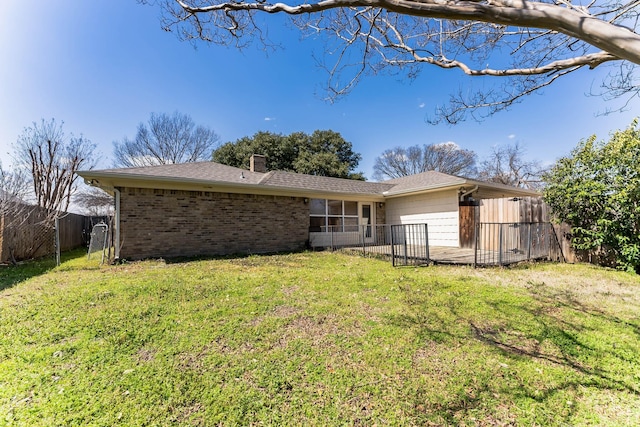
(423, 181)
(210, 173)
(323, 183)
(197, 171)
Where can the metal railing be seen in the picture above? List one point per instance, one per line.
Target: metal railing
(366, 237)
(406, 244)
(508, 243)
(410, 244)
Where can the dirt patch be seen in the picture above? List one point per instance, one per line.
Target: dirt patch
(284, 311)
(145, 354)
(279, 312)
(290, 290)
(318, 330)
(189, 414)
(425, 355)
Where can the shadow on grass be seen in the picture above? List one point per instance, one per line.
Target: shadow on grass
(11, 275)
(577, 346)
(249, 260)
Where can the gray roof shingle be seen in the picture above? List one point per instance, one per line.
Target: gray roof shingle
(323, 183)
(423, 181)
(197, 171)
(216, 173)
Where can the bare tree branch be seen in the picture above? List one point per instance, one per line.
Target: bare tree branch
(446, 157)
(53, 159)
(167, 139)
(507, 165)
(546, 39)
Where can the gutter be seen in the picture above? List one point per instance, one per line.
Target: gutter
(110, 180)
(116, 243)
(388, 194)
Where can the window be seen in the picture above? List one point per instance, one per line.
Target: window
(333, 215)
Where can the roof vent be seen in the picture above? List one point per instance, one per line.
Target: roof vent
(258, 163)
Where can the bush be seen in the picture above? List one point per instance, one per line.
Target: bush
(597, 191)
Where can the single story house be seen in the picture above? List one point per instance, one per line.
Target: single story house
(208, 208)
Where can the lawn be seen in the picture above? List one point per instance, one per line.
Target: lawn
(317, 339)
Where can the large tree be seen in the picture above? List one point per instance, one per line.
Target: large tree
(507, 164)
(596, 190)
(52, 159)
(47, 159)
(166, 139)
(445, 157)
(530, 44)
(324, 153)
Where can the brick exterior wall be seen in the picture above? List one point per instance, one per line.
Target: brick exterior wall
(170, 223)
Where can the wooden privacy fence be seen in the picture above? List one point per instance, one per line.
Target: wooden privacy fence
(72, 231)
(508, 243)
(514, 210)
(531, 210)
(499, 211)
(33, 234)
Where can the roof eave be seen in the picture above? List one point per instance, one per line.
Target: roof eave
(442, 187)
(462, 184)
(111, 180)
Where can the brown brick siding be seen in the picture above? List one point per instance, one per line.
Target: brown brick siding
(169, 223)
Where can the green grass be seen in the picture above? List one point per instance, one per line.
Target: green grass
(317, 339)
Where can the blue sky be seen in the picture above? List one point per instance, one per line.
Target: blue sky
(103, 66)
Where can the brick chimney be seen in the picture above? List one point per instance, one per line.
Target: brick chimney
(258, 163)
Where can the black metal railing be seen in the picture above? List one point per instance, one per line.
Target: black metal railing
(410, 244)
(406, 244)
(508, 243)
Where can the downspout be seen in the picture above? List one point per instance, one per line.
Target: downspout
(116, 243)
(466, 193)
(116, 193)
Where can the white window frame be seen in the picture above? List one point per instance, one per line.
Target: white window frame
(337, 228)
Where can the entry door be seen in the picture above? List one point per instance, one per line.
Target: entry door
(366, 219)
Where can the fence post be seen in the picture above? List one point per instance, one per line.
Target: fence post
(332, 248)
(529, 244)
(500, 244)
(426, 241)
(555, 236)
(393, 248)
(404, 235)
(475, 251)
(57, 239)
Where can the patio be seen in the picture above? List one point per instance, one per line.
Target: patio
(440, 255)
(496, 244)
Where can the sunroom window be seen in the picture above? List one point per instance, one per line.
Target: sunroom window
(333, 215)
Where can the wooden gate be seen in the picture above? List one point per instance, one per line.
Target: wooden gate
(469, 212)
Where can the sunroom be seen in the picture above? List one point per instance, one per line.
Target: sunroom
(334, 222)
